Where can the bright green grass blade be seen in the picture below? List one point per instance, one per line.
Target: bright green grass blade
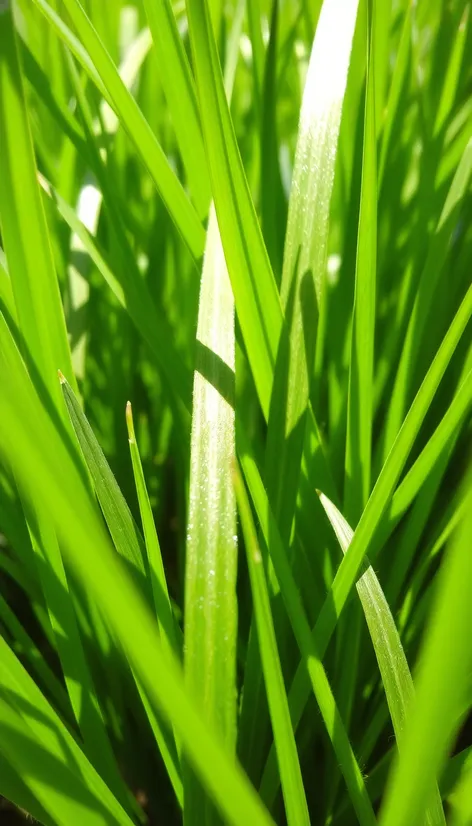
(46, 756)
(311, 660)
(258, 57)
(347, 572)
(305, 252)
(170, 631)
(393, 665)
(123, 529)
(131, 291)
(129, 70)
(435, 716)
(252, 280)
(172, 193)
(287, 756)
(181, 98)
(357, 481)
(423, 296)
(211, 550)
(46, 474)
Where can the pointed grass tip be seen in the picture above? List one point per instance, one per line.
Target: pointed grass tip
(62, 377)
(130, 424)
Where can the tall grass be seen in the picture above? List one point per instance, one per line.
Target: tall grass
(235, 303)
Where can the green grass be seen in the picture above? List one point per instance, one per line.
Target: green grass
(268, 202)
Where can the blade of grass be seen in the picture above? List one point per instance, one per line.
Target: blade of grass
(96, 61)
(391, 659)
(434, 714)
(287, 756)
(211, 550)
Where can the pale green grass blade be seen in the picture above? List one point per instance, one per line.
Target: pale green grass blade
(423, 297)
(357, 481)
(305, 252)
(286, 749)
(252, 280)
(435, 716)
(170, 632)
(171, 191)
(29, 440)
(391, 659)
(311, 659)
(211, 549)
(181, 98)
(347, 572)
(46, 756)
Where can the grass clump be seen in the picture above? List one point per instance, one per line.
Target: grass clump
(240, 232)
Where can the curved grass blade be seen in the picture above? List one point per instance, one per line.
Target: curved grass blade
(287, 756)
(435, 715)
(211, 559)
(96, 61)
(393, 665)
(46, 475)
(311, 659)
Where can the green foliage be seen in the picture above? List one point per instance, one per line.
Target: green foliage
(271, 200)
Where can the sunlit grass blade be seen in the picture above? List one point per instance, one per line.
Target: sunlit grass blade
(311, 659)
(435, 716)
(392, 662)
(46, 474)
(181, 98)
(211, 559)
(287, 756)
(171, 191)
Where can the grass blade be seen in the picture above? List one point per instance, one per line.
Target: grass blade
(211, 563)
